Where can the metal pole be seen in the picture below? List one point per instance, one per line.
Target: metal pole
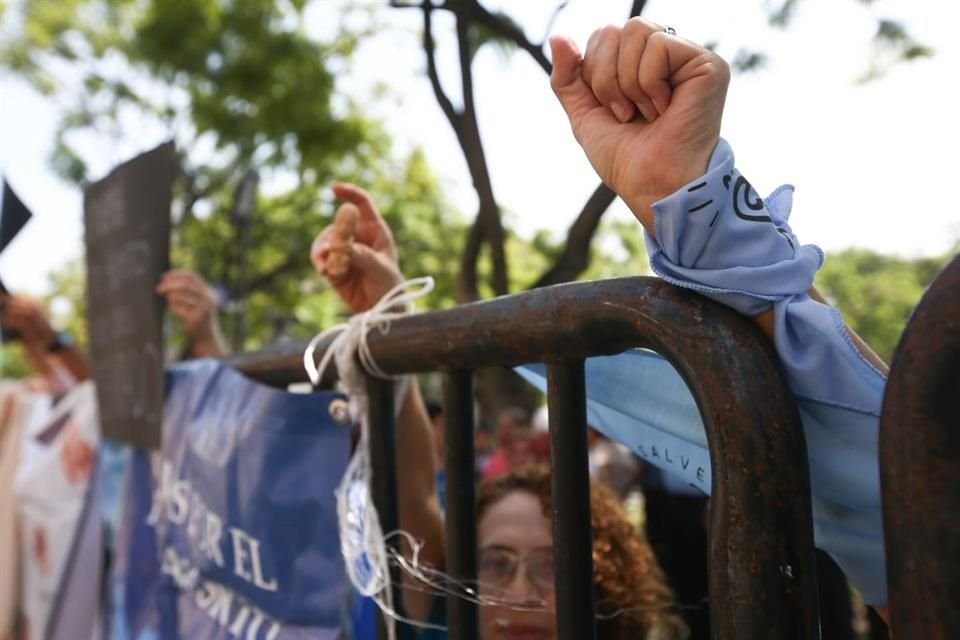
(244, 204)
(461, 515)
(570, 486)
(920, 467)
(383, 483)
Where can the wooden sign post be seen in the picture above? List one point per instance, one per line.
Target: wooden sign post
(127, 234)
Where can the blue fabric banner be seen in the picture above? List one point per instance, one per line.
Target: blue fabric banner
(231, 531)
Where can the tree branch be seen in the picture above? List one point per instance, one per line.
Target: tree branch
(294, 261)
(637, 8)
(465, 58)
(429, 47)
(487, 225)
(468, 289)
(479, 14)
(553, 18)
(575, 257)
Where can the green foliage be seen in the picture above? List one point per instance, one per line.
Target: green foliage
(13, 362)
(425, 226)
(480, 35)
(892, 43)
(749, 60)
(429, 232)
(617, 251)
(241, 72)
(295, 302)
(239, 85)
(876, 293)
(67, 301)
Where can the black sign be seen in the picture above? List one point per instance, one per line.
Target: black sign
(127, 234)
(13, 216)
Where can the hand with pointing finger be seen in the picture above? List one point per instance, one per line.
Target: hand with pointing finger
(366, 264)
(645, 105)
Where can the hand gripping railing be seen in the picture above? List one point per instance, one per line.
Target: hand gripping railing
(920, 467)
(762, 582)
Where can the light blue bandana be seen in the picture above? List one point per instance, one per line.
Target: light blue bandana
(718, 237)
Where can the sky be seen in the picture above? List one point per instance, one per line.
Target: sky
(872, 163)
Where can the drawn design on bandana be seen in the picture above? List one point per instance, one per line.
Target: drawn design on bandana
(751, 200)
(743, 192)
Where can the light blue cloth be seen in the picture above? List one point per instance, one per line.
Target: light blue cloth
(717, 236)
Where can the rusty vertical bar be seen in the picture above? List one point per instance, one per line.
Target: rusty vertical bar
(762, 570)
(920, 467)
(570, 486)
(461, 515)
(383, 483)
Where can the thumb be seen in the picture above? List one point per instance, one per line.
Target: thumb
(567, 83)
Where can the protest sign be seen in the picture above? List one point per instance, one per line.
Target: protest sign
(232, 530)
(127, 236)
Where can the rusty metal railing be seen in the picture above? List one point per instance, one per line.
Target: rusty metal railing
(920, 467)
(762, 582)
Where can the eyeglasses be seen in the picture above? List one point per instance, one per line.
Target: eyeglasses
(497, 566)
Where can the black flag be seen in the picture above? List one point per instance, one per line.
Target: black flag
(13, 216)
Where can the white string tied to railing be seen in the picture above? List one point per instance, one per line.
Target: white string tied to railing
(361, 537)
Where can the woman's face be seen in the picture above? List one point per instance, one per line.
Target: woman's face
(516, 569)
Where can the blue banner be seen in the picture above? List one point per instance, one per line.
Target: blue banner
(231, 531)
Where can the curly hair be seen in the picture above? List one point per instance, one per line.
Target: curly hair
(632, 595)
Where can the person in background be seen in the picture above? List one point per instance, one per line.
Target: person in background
(435, 413)
(612, 464)
(514, 435)
(55, 356)
(482, 449)
(676, 527)
(52, 353)
(515, 530)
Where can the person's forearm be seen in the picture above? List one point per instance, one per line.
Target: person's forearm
(419, 507)
(59, 373)
(74, 362)
(417, 485)
(38, 360)
(765, 322)
(208, 344)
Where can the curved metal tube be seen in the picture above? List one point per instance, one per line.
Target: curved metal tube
(920, 466)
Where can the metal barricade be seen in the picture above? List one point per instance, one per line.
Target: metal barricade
(762, 582)
(920, 467)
